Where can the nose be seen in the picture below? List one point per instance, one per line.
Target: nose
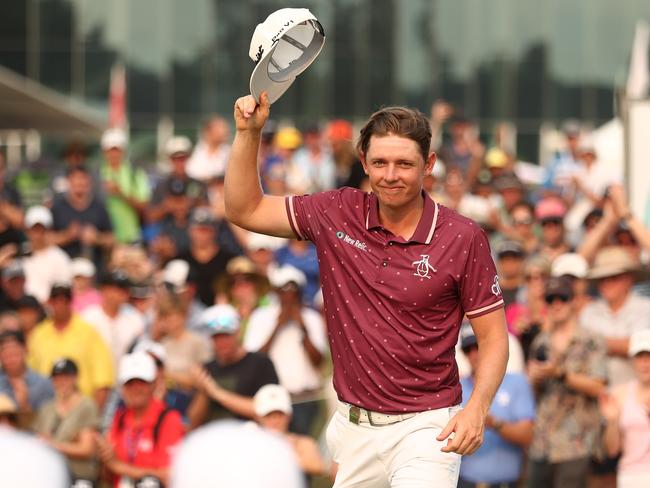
(391, 172)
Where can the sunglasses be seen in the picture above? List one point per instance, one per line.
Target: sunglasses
(548, 222)
(523, 222)
(549, 299)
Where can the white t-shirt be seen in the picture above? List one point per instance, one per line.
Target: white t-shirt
(288, 354)
(119, 332)
(205, 164)
(45, 268)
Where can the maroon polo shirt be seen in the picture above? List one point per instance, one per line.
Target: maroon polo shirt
(394, 306)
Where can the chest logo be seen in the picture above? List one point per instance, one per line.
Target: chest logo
(496, 288)
(352, 241)
(423, 266)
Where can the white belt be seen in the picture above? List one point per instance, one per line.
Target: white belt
(358, 415)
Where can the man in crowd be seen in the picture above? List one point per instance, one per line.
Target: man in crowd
(294, 337)
(12, 285)
(510, 263)
(65, 334)
(211, 154)
(11, 211)
(550, 213)
(228, 383)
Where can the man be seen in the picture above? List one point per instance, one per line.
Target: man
(228, 383)
(65, 334)
(179, 281)
(127, 188)
(312, 167)
(12, 285)
(619, 312)
(510, 263)
(294, 337)
(509, 428)
(117, 323)
(398, 273)
(11, 209)
(210, 155)
(550, 213)
(567, 369)
(26, 388)
(143, 435)
(81, 225)
(46, 263)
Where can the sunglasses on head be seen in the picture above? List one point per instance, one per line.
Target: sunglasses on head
(549, 299)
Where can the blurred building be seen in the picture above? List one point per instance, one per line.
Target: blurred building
(526, 62)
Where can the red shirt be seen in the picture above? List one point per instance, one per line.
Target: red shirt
(133, 440)
(394, 306)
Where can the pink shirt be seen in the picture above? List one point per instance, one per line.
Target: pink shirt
(635, 426)
(80, 301)
(394, 306)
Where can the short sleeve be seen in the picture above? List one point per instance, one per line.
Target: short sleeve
(305, 212)
(102, 375)
(524, 407)
(480, 292)
(170, 435)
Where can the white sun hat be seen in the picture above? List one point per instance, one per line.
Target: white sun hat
(283, 46)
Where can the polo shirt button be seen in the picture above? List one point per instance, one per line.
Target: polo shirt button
(390, 243)
(385, 263)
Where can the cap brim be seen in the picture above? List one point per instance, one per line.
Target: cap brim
(260, 82)
(607, 271)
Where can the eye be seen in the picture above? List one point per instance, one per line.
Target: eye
(378, 162)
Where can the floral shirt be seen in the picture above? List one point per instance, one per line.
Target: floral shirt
(568, 422)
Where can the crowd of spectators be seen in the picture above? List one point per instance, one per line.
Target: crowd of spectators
(133, 312)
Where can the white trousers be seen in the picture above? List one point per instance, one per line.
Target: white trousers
(405, 454)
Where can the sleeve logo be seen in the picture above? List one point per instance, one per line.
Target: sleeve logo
(496, 288)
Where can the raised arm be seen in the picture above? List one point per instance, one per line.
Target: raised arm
(246, 204)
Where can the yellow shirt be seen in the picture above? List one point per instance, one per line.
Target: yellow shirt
(79, 342)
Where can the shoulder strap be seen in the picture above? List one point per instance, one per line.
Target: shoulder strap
(156, 428)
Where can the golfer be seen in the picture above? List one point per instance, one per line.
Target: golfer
(399, 272)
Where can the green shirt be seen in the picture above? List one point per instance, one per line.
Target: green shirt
(134, 184)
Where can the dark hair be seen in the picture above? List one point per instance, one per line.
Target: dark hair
(77, 168)
(398, 121)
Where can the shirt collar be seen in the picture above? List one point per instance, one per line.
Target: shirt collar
(427, 224)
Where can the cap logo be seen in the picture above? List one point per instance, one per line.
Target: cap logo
(260, 52)
(423, 266)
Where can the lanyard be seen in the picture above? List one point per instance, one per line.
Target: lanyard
(132, 441)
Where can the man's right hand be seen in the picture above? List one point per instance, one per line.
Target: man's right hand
(249, 115)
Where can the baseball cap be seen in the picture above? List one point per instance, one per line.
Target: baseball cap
(272, 398)
(558, 286)
(61, 290)
(113, 138)
(178, 145)
(202, 216)
(339, 130)
(12, 335)
(156, 349)
(28, 301)
(116, 278)
(496, 158)
(639, 342)
(13, 270)
(83, 267)
(570, 264)
(283, 46)
(64, 366)
(288, 138)
(241, 265)
(550, 208)
(175, 274)
(257, 242)
(220, 319)
(137, 366)
(508, 181)
(283, 275)
(38, 214)
(510, 248)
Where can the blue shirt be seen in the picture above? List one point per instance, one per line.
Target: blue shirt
(497, 460)
(308, 264)
(40, 388)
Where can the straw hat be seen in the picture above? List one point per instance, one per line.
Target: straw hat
(612, 261)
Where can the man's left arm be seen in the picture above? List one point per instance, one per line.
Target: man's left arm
(468, 425)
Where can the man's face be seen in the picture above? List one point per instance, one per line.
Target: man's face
(552, 231)
(225, 347)
(14, 288)
(12, 356)
(276, 421)
(115, 295)
(217, 132)
(511, 265)
(60, 306)
(79, 183)
(615, 288)
(178, 161)
(560, 309)
(137, 393)
(289, 295)
(37, 234)
(396, 170)
(641, 363)
(114, 156)
(201, 235)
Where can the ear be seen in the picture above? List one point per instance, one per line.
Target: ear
(429, 163)
(362, 158)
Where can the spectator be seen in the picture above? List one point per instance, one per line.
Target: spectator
(84, 293)
(69, 422)
(144, 433)
(74, 154)
(13, 285)
(47, 263)
(294, 337)
(82, 227)
(11, 209)
(619, 312)
(243, 287)
(464, 152)
(458, 198)
(625, 410)
(567, 369)
(302, 256)
(127, 188)
(172, 238)
(118, 323)
(550, 213)
(273, 413)
(574, 267)
(511, 191)
(562, 167)
(206, 258)
(179, 280)
(523, 227)
(30, 313)
(509, 428)
(312, 167)
(211, 154)
(510, 264)
(349, 171)
(228, 383)
(27, 389)
(261, 250)
(66, 335)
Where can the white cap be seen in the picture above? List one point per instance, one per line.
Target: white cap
(152, 347)
(262, 241)
(177, 145)
(284, 275)
(137, 366)
(38, 214)
(272, 398)
(83, 267)
(571, 264)
(220, 319)
(639, 342)
(230, 453)
(113, 138)
(283, 46)
(175, 273)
